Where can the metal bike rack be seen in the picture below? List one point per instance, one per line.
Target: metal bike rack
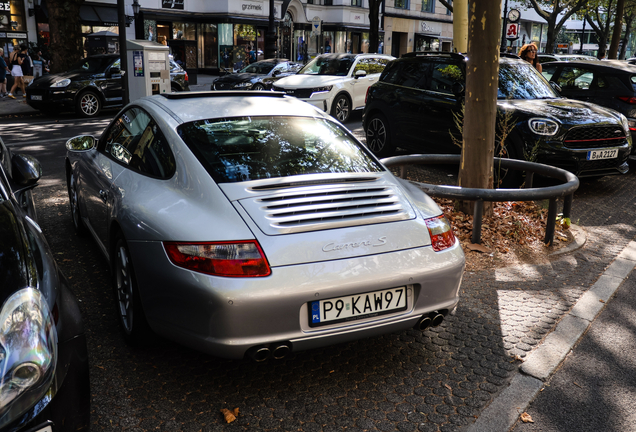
(565, 190)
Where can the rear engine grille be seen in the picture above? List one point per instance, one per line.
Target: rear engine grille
(333, 208)
(595, 137)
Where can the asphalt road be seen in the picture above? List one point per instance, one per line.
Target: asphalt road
(438, 380)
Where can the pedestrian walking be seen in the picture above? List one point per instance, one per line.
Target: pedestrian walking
(3, 75)
(16, 59)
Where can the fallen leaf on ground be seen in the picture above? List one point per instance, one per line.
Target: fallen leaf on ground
(447, 386)
(525, 417)
(601, 300)
(230, 416)
(517, 357)
(576, 384)
(477, 248)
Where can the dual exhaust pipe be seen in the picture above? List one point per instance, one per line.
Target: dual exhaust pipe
(433, 319)
(276, 351)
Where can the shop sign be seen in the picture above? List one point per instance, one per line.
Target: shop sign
(138, 63)
(246, 7)
(17, 35)
(172, 4)
(316, 26)
(5, 6)
(356, 18)
(512, 31)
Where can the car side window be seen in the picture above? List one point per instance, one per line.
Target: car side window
(443, 76)
(407, 74)
(136, 141)
(548, 72)
(372, 65)
(575, 78)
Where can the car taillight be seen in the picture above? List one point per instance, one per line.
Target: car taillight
(442, 236)
(232, 259)
(186, 76)
(627, 99)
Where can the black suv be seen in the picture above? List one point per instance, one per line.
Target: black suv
(610, 83)
(418, 97)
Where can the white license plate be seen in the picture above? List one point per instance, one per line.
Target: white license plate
(602, 154)
(36, 97)
(357, 306)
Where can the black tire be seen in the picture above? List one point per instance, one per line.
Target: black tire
(88, 104)
(128, 305)
(341, 108)
(258, 86)
(76, 213)
(174, 89)
(505, 178)
(379, 136)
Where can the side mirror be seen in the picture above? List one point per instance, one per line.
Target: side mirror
(81, 143)
(556, 87)
(276, 72)
(458, 89)
(26, 170)
(114, 71)
(360, 73)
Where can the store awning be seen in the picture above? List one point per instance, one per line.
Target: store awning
(92, 14)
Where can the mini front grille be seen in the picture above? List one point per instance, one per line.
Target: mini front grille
(595, 137)
(322, 208)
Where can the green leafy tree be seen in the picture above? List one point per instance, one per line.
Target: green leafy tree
(600, 17)
(550, 10)
(66, 34)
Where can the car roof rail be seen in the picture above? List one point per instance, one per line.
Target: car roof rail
(221, 93)
(457, 56)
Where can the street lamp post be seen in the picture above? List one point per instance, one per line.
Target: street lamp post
(123, 52)
(270, 36)
(503, 26)
(139, 31)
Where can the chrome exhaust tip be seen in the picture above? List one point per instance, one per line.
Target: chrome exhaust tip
(260, 354)
(281, 351)
(424, 323)
(437, 319)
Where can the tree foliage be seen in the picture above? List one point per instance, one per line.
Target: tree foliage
(600, 16)
(550, 10)
(66, 34)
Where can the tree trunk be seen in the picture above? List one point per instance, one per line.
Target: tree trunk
(618, 28)
(66, 34)
(374, 25)
(628, 28)
(551, 37)
(482, 76)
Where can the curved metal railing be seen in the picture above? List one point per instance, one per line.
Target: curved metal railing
(565, 190)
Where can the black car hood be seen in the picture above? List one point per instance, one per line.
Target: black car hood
(566, 111)
(47, 80)
(14, 253)
(237, 78)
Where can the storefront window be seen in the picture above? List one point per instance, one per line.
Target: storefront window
(17, 14)
(301, 46)
(208, 46)
(244, 45)
(340, 42)
(364, 47)
(150, 30)
(328, 42)
(183, 30)
(401, 4)
(226, 45)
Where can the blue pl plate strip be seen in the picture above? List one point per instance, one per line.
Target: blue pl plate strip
(315, 312)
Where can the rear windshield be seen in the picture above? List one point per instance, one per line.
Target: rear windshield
(523, 81)
(251, 148)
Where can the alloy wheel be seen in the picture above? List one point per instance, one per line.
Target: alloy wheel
(376, 135)
(89, 104)
(342, 109)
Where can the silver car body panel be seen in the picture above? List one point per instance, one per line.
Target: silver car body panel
(225, 316)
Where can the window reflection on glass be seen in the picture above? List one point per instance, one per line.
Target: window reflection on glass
(401, 4)
(251, 148)
(522, 81)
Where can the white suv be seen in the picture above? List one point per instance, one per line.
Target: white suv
(335, 83)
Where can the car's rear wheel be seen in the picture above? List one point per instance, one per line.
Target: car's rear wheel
(341, 108)
(73, 199)
(127, 300)
(258, 86)
(174, 89)
(378, 136)
(88, 104)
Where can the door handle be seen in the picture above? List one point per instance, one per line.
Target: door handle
(104, 195)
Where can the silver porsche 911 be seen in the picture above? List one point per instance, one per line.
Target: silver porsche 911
(252, 223)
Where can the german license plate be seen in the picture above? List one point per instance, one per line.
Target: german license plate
(36, 97)
(357, 306)
(602, 154)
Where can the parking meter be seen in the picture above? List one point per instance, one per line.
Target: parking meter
(149, 68)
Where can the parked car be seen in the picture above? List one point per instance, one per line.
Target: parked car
(257, 76)
(610, 83)
(543, 58)
(90, 85)
(257, 224)
(418, 97)
(44, 380)
(335, 83)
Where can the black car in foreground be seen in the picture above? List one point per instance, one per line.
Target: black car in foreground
(44, 380)
(418, 97)
(92, 84)
(609, 83)
(257, 76)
